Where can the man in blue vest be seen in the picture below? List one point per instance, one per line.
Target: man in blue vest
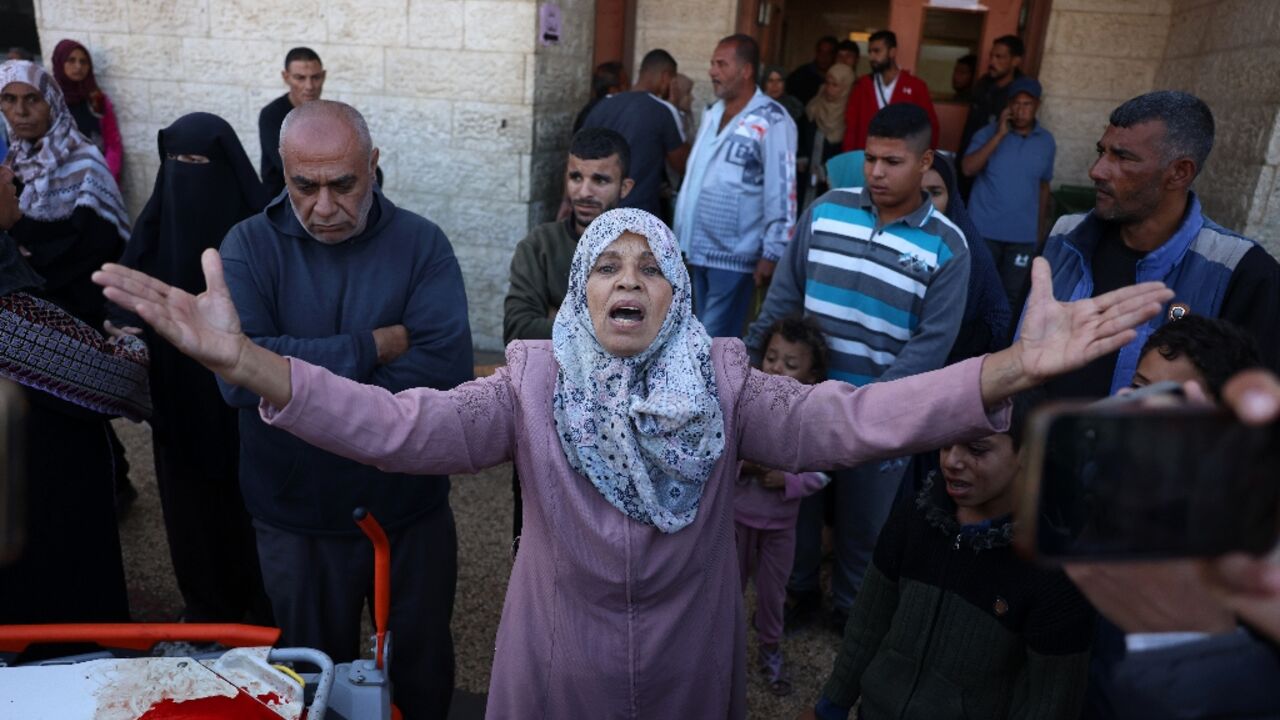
(1147, 224)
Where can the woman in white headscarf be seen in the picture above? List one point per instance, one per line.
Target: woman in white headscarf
(73, 218)
(626, 430)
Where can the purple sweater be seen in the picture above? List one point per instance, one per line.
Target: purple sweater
(606, 616)
(762, 508)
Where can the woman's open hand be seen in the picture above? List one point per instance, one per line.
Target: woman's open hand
(1058, 337)
(204, 326)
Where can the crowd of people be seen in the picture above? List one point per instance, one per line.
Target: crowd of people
(793, 314)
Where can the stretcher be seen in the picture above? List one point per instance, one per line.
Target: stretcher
(246, 679)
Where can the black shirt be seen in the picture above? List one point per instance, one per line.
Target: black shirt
(269, 122)
(1115, 265)
(66, 253)
(804, 82)
(583, 113)
(651, 127)
(988, 101)
(1252, 302)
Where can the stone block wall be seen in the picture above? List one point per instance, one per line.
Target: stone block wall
(1098, 53)
(1228, 53)
(459, 96)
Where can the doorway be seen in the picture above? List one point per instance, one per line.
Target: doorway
(930, 37)
(615, 33)
(807, 20)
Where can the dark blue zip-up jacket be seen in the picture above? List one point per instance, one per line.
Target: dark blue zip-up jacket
(320, 303)
(1212, 271)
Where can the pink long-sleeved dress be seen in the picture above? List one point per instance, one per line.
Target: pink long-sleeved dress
(606, 617)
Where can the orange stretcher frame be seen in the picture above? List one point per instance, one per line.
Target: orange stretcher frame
(136, 636)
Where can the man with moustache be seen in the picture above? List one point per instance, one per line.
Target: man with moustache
(1147, 224)
(737, 205)
(596, 180)
(887, 84)
(334, 274)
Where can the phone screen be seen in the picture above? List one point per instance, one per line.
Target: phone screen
(1176, 482)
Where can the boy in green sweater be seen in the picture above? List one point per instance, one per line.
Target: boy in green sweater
(950, 624)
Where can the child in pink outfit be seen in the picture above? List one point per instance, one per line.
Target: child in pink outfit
(767, 502)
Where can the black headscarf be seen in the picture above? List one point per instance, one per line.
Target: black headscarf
(193, 205)
(192, 208)
(985, 327)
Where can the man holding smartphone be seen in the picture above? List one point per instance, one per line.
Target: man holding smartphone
(1011, 163)
(1171, 648)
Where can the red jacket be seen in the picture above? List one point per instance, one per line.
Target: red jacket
(863, 105)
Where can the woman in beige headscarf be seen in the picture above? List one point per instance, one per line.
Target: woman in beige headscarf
(825, 127)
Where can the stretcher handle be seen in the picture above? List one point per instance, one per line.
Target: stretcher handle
(381, 576)
(136, 636)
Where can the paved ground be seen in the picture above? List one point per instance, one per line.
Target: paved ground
(482, 504)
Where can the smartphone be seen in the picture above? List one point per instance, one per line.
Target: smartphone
(13, 412)
(1132, 481)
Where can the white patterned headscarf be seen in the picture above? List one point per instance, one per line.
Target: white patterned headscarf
(645, 430)
(62, 170)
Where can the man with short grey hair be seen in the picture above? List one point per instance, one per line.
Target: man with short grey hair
(333, 274)
(1147, 224)
(737, 204)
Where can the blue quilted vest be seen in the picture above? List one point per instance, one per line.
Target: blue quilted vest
(1197, 262)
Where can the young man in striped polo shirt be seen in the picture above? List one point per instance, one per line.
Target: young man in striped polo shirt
(885, 275)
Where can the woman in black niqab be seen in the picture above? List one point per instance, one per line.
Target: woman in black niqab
(205, 186)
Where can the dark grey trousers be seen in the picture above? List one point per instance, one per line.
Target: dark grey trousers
(863, 496)
(318, 585)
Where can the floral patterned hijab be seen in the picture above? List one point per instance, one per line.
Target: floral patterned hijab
(645, 430)
(62, 170)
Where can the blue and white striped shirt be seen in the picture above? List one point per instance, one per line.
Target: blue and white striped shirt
(889, 299)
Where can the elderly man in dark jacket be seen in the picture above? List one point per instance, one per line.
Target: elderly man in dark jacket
(335, 274)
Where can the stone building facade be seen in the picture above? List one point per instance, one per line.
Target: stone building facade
(473, 114)
(1100, 52)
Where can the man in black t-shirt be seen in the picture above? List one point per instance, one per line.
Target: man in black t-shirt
(805, 81)
(304, 74)
(651, 126)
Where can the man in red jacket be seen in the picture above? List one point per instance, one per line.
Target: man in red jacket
(886, 85)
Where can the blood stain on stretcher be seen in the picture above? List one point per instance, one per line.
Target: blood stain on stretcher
(242, 706)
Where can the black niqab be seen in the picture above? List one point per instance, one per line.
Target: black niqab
(193, 204)
(192, 208)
